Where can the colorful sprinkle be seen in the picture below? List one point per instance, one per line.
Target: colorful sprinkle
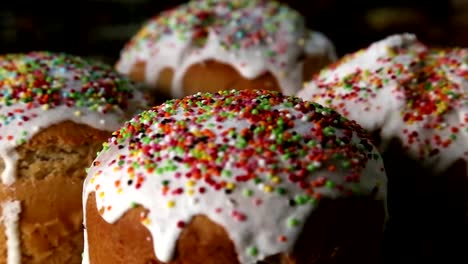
(255, 190)
(399, 85)
(254, 36)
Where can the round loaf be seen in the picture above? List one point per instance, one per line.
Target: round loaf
(206, 46)
(236, 177)
(55, 112)
(414, 99)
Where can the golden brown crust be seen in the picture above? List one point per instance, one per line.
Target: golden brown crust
(341, 231)
(213, 76)
(49, 186)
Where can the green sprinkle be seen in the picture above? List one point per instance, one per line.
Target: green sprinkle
(346, 164)
(247, 192)
(330, 184)
(226, 173)
(311, 167)
(280, 122)
(312, 201)
(281, 191)
(329, 131)
(252, 251)
(301, 199)
(293, 222)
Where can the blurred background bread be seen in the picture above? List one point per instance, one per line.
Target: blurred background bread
(207, 46)
(413, 98)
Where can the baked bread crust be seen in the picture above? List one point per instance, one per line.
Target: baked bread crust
(207, 46)
(49, 185)
(249, 176)
(341, 231)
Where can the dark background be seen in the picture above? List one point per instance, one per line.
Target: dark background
(99, 28)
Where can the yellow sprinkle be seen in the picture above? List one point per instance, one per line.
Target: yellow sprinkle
(101, 194)
(267, 188)
(190, 183)
(119, 190)
(45, 107)
(190, 192)
(170, 204)
(366, 73)
(230, 186)
(301, 42)
(441, 108)
(276, 180)
(77, 113)
(391, 51)
(146, 221)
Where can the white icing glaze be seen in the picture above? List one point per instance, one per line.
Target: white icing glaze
(42, 116)
(43, 119)
(408, 61)
(171, 45)
(85, 255)
(10, 217)
(265, 213)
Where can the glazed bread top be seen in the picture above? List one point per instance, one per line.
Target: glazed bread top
(39, 89)
(253, 36)
(256, 162)
(406, 90)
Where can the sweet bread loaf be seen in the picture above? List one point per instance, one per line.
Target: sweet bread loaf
(55, 111)
(206, 46)
(414, 99)
(236, 177)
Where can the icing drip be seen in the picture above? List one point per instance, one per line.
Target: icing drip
(10, 218)
(254, 36)
(236, 157)
(85, 255)
(411, 92)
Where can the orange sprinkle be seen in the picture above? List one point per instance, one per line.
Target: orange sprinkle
(282, 238)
